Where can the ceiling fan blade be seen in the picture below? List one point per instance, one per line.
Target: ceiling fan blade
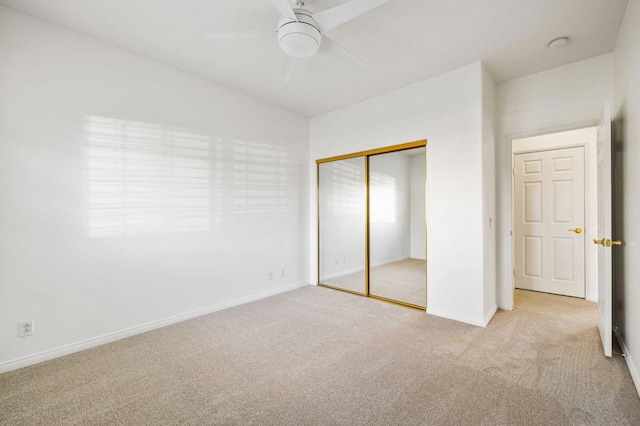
(287, 68)
(284, 8)
(239, 34)
(331, 18)
(332, 48)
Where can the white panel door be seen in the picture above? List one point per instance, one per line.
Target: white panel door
(549, 221)
(605, 314)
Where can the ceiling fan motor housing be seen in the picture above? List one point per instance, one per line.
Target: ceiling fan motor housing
(299, 39)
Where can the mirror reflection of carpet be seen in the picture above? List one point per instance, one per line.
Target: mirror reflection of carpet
(404, 281)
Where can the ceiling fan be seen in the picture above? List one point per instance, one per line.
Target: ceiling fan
(301, 33)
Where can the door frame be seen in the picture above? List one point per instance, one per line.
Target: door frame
(538, 141)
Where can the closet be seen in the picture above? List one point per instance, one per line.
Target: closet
(372, 230)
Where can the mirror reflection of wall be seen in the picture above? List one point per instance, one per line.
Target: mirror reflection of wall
(342, 193)
(397, 229)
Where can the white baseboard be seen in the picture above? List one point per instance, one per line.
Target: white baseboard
(353, 271)
(341, 273)
(387, 261)
(117, 335)
(490, 314)
(632, 368)
(480, 322)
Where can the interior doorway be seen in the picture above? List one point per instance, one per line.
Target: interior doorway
(549, 221)
(554, 213)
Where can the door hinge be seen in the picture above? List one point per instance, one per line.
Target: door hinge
(513, 171)
(514, 272)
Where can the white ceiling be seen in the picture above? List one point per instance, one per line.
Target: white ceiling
(404, 41)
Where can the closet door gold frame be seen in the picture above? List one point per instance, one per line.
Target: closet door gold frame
(367, 154)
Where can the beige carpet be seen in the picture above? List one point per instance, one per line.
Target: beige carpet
(315, 356)
(353, 281)
(405, 281)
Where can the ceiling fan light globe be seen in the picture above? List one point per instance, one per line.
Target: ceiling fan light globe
(299, 45)
(299, 39)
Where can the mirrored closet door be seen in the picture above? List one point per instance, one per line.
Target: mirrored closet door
(342, 224)
(372, 223)
(397, 231)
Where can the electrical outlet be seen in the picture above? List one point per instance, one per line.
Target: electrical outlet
(25, 328)
(344, 260)
(282, 273)
(337, 261)
(270, 275)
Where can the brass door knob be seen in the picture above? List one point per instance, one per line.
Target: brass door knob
(605, 242)
(576, 230)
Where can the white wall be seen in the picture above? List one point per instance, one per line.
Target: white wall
(100, 242)
(563, 98)
(417, 165)
(446, 110)
(489, 191)
(627, 158)
(390, 222)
